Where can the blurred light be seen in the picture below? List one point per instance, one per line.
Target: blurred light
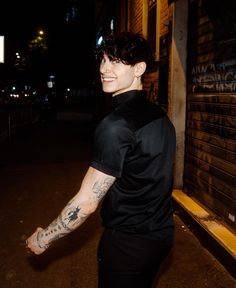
(112, 25)
(100, 40)
(1, 49)
(50, 84)
(51, 81)
(14, 95)
(41, 32)
(13, 88)
(68, 89)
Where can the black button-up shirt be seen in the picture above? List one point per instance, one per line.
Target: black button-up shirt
(136, 144)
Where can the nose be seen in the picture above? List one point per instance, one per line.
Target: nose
(105, 65)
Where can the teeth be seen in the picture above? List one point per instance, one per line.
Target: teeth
(107, 79)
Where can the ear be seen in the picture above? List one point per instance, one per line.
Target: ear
(140, 68)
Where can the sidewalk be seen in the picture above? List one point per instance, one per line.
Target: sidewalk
(190, 265)
(212, 232)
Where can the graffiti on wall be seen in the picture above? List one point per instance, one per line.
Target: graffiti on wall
(214, 77)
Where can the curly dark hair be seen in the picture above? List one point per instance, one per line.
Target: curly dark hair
(127, 47)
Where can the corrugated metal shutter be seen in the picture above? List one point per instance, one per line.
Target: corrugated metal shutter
(210, 162)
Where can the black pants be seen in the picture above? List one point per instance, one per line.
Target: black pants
(128, 261)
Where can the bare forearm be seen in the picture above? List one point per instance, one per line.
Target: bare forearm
(74, 214)
(93, 188)
(69, 219)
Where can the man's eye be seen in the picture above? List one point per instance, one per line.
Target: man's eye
(115, 61)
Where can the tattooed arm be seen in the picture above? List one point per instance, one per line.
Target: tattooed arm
(93, 188)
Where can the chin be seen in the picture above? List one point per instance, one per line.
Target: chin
(108, 90)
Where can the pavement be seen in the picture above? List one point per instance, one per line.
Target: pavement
(40, 170)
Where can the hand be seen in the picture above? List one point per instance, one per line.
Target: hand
(35, 243)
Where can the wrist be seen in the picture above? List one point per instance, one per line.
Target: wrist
(41, 241)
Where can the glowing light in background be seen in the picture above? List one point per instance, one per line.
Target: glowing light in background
(100, 40)
(1, 49)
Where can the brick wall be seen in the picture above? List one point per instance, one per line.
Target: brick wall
(165, 14)
(135, 15)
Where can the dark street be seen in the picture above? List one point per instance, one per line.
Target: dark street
(41, 169)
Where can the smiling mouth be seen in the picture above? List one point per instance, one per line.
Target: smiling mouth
(107, 79)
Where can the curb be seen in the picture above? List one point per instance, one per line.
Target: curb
(212, 233)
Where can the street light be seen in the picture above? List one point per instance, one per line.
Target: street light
(41, 32)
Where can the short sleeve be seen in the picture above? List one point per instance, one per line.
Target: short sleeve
(112, 140)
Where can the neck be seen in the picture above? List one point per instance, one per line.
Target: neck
(139, 86)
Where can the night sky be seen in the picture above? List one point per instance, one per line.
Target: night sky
(21, 19)
(71, 42)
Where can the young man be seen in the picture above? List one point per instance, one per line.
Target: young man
(134, 150)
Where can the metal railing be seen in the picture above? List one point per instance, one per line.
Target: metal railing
(14, 116)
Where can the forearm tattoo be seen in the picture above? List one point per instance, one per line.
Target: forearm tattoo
(72, 216)
(39, 241)
(64, 224)
(100, 189)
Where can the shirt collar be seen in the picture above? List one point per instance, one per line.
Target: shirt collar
(126, 96)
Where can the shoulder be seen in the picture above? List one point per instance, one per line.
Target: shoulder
(113, 127)
(112, 123)
(140, 112)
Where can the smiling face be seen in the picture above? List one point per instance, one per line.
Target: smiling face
(117, 77)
